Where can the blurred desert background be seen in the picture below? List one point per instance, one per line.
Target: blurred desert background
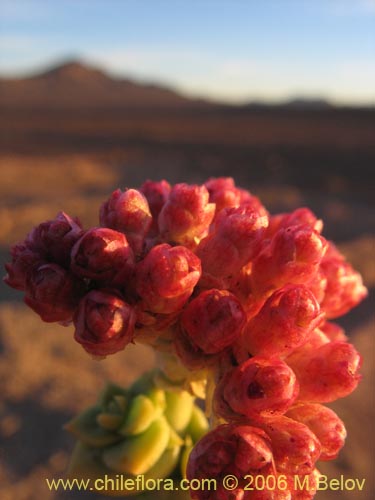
(72, 132)
(55, 157)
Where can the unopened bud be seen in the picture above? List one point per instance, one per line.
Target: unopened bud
(103, 255)
(129, 213)
(257, 389)
(166, 277)
(236, 238)
(53, 293)
(186, 216)
(104, 323)
(292, 256)
(284, 322)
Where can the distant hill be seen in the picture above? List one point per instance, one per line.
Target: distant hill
(308, 103)
(77, 85)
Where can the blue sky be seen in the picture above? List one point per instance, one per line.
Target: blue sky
(235, 50)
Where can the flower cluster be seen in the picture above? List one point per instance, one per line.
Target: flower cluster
(207, 274)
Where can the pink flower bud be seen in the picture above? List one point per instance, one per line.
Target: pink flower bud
(53, 293)
(234, 241)
(213, 320)
(318, 285)
(325, 424)
(293, 256)
(103, 255)
(186, 216)
(54, 239)
(300, 217)
(344, 289)
(333, 331)
(316, 339)
(104, 323)
(228, 449)
(295, 448)
(303, 486)
(329, 373)
(284, 322)
(156, 194)
(189, 354)
(225, 194)
(257, 389)
(166, 277)
(24, 260)
(129, 213)
(50, 241)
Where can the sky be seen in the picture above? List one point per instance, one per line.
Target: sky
(232, 50)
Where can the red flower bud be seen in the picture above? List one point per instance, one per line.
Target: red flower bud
(234, 241)
(50, 241)
(329, 373)
(303, 486)
(257, 389)
(293, 256)
(53, 293)
(213, 320)
(316, 339)
(156, 194)
(300, 217)
(166, 277)
(54, 239)
(225, 194)
(24, 260)
(325, 424)
(103, 255)
(295, 448)
(129, 213)
(344, 289)
(104, 323)
(318, 285)
(186, 216)
(284, 322)
(333, 331)
(228, 449)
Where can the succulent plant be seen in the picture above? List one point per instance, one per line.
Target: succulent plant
(238, 304)
(144, 430)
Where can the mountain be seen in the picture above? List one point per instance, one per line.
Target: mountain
(77, 85)
(309, 103)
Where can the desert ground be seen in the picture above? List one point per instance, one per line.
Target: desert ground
(52, 161)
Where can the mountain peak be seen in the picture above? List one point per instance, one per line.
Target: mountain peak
(74, 70)
(74, 84)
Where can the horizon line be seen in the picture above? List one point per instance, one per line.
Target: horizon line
(297, 99)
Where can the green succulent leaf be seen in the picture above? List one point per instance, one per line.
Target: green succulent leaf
(157, 396)
(85, 427)
(166, 463)
(137, 454)
(198, 425)
(109, 421)
(110, 393)
(140, 415)
(179, 409)
(85, 463)
(185, 455)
